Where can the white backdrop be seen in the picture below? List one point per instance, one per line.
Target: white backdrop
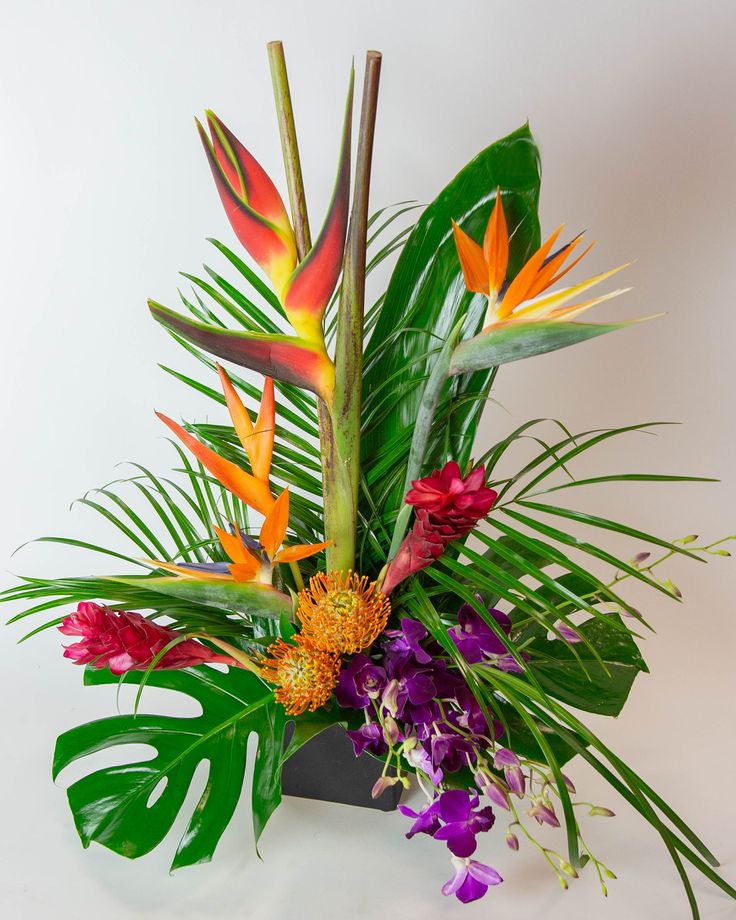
(104, 196)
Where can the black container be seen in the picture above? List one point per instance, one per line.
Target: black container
(326, 768)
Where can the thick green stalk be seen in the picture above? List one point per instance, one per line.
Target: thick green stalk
(290, 148)
(300, 219)
(343, 475)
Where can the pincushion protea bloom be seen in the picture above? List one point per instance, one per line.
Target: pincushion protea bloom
(304, 676)
(342, 613)
(127, 641)
(523, 299)
(447, 507)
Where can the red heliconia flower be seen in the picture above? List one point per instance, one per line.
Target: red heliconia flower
(447, 508)
(127, 641)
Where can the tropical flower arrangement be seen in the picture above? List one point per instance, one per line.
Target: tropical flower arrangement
(341, 552)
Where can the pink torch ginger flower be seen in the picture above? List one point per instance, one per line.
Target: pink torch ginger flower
(126, 641)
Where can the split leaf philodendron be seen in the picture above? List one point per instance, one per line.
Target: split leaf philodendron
(338, 557)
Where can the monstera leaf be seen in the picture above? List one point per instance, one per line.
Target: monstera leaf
(425, 299)
(131, 808)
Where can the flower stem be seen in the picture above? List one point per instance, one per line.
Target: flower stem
(289, 147)
(343, 481)
(300, 219)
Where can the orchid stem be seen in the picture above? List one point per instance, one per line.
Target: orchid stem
(341, 498)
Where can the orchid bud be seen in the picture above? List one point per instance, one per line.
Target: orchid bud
(568, 784)
(567, 868)
(390, 698)
(599, 811)
(382, 784)
(637, 560)
(391, 730)
(494, 792)
(512, 841)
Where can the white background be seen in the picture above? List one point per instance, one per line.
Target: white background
(104, 196)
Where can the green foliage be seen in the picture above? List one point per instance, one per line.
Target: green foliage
(541, 562)
(130, 808)
(426, 297)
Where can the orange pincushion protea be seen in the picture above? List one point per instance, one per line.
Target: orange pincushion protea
(304, 675)
(342, 613)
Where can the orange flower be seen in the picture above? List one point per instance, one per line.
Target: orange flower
(304, 675)
(253, 562)
(257, 440)
(342, 614)
(523, 300)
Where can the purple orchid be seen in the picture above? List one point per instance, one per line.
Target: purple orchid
(418, 757)
(461, 821)
(506, 760)
(478, 642)
(426, 821)
(449, 751)
(471, 880)
(359, 682)
(543, 813)
(368, 737)
(492, 788)
(405, 642)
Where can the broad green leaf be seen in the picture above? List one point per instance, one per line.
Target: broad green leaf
(425, 299)
(594, 689)
(513, 341)
(130, 808)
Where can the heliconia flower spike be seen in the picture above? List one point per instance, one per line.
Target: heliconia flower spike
(252, 203)
(287, 358)
(308, 290)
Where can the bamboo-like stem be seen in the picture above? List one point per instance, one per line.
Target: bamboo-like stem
(300, 219)
(341, 497)
(290, 148)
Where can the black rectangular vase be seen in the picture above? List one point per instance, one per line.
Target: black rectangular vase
(326, 768)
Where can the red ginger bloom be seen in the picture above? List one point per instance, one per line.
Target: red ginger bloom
(453, 502)
(447, 508)
(127, 641)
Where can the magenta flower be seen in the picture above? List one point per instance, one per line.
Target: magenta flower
(368, 737)
(452, 499)
(359, 682)
(447, 508)
(126, 641)
(477, 642)
(471, 880)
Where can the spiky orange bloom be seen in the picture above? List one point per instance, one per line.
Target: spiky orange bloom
(342, 613)
(523, 300)
(304, 675)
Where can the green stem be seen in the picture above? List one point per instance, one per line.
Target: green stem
(300, 219)
(341, 483)
(290, 148)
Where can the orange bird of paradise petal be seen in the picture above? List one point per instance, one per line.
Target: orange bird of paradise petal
(258, 439)
(254, 492)
(484, 270)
